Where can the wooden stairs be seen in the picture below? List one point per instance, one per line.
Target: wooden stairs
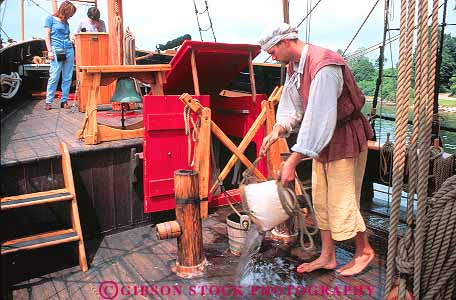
(40, 198)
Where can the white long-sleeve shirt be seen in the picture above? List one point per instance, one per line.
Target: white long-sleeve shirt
(318, 120)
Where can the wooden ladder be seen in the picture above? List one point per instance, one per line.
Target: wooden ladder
(54, 237)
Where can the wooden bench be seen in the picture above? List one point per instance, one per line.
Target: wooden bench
(40, 198)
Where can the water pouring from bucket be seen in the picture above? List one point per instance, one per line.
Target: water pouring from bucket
(269, 204)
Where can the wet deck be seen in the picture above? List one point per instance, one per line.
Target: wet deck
(30, 133)
(134, 258)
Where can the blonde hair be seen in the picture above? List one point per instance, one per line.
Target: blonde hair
(66, 10)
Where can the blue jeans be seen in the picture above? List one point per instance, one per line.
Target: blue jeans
(66, 68)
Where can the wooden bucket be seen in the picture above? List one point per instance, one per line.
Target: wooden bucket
(237, 231)
(168, 230)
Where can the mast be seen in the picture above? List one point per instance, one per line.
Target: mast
(286, 11)
(54, 6)
(22, 19)
(435, 109)
(286, 19)
(381, 58)
(115, 24)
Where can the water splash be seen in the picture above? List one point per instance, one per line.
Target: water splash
(256, 268)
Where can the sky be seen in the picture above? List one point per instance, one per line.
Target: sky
(333, 23)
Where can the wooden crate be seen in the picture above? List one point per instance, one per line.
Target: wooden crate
(92, 49)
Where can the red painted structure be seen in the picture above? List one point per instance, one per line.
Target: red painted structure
(165, 142)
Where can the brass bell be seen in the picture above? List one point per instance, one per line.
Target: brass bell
(125, 93)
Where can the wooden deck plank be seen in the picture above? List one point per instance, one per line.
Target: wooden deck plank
(135, 257)
(32, 133)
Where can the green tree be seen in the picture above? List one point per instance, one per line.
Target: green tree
(448, 67)
(389, 84)
(363, 69)
(453, 85)
(365, 73)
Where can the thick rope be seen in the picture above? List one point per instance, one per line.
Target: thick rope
(425, 137)
(404, 78)
(386, 159)
(442, 169)
(10, 84)
(439, 256)
(191, 135)
(294, 210)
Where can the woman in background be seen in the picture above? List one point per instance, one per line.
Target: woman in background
(93, 23)
(60, 52)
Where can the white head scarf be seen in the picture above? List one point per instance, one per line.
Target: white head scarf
(276, 34)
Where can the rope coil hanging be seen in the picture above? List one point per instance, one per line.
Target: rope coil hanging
(192, 135)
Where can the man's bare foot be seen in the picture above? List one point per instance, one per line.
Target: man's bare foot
(357, 264)
(319, 263)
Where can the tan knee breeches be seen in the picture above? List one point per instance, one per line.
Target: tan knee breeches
(336, 190)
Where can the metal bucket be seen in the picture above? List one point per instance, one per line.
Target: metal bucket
(265, 203)
(237, 231)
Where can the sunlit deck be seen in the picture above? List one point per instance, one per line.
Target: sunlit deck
(135, 258)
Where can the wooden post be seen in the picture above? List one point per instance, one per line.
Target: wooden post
(252, 78)
(195, 73)
(22, 20)
(203, 157)
(115, 28)
(54, 6)
(190, 258)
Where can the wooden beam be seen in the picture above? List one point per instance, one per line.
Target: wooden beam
(232, 147)
(195, 74)
(203, 154)
(22, 20)
(244, 144)
(115, 28)
(252, 78)
(54, 6)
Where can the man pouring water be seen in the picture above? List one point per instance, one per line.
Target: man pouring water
(322, 102)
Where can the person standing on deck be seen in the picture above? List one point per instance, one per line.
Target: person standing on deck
(322, 100)
(93, 23)
(60, 52)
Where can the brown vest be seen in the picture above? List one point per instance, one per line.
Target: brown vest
(352, 128)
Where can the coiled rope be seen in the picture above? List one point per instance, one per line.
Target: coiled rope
(438, 275)
(191, 135)
(386, 159)
(10, 84)
(442, 169)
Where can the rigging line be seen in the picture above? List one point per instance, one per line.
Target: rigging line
(391, 52)
(5, 33)
(310, 12)
(381, 58)
(369, 50)
(33, 1)
(3, 16)
(309, 21)
(210, 21)
(361, 52)
(197, 20)
(359, 29)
